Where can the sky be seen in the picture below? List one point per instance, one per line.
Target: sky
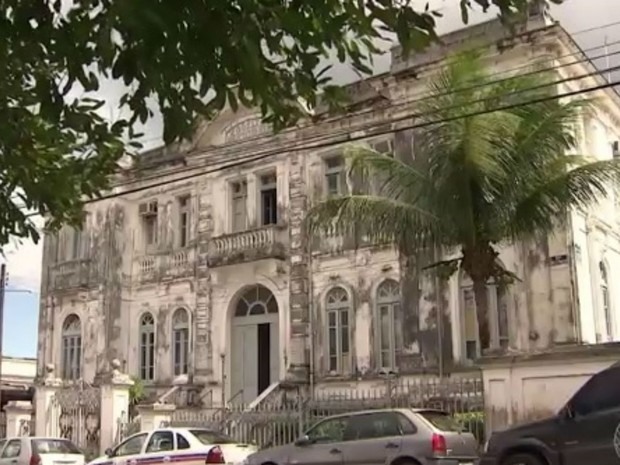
(24, 260)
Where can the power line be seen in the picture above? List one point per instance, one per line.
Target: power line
(411, 101)
(400, 104)
(351, 138)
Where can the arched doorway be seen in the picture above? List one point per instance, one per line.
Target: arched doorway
(254, 344)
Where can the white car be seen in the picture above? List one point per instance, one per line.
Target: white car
(39, 451)
(186, 446)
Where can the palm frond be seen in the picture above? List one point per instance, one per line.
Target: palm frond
(396, 179)
(378, 219)
(546, 205)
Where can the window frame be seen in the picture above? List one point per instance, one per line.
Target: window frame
(242, 198)
(146, 360)
(338, 309)
(393, 303)
(181, 327)
(71, 348)
(184, 220)
(605, 297)
(338, 172)
(498, 301)
(270, 188)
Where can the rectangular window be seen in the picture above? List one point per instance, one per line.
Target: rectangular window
(386, 328)
(471, 324)
(269, 199)
(335, 176)
(181, 351)
(71, 357)
(147, 355)
(239, 205)
(338, 340)
(184, 220)
(76, 244)
(148, 214)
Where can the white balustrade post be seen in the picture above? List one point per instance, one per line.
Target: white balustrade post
(18, 417)
(114, 406)
(46, 415)
(155, 415)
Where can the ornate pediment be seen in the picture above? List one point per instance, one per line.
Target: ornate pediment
(231, 127)
(246, 128)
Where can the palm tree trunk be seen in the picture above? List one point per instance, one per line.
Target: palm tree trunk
(481, 297)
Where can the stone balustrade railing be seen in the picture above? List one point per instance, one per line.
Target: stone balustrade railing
(267, 241)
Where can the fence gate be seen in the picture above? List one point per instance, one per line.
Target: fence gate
(76, 412)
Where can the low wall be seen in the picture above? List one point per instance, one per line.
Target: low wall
(523, 388)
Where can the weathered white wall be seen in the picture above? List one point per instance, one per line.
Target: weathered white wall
(521, 388)
(541, 307)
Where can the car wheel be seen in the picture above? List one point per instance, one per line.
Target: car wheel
(523, 459)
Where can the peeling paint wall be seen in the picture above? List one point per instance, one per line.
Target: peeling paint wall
(117, 277)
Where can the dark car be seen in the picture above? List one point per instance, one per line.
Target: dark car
(585, 431)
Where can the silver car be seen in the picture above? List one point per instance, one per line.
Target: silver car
(391, 436)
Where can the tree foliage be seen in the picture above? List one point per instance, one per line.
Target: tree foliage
(191, 57)
(479, 178)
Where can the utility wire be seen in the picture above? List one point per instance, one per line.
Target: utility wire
(270, 152)
(421, 99)
(348, 137)
(352, 138)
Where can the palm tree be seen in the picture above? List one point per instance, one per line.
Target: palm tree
(487, 170)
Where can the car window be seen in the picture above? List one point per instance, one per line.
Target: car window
(600, 393)
(330, 430)
(372, 425)
(131, 446)
(406, 426)
(2, 444)
(12, 449)
(442, 421)
(182, 443)
(160, 441)
(54, 446)
(208, 437)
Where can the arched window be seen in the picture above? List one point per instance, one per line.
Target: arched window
(337, 307)
(147, 347)
(497, 298)
(72, 348)
(257, 300)
(180, 341)
(605, 302)
(388, 305)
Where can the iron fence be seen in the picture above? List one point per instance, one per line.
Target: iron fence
(285, 415)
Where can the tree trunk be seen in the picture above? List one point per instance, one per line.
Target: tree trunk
(481, 297)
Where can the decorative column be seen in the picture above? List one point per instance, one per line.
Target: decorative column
(155, 415)
(114, 406)
(18, 417)
(46, 420)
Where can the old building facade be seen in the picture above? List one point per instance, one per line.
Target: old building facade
(197, 263)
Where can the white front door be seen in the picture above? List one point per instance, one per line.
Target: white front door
(244, 368)
(254, 356)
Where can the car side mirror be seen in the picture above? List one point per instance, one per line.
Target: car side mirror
(303, 441)
(109, 452)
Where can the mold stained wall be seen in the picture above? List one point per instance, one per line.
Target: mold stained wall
(541, 309)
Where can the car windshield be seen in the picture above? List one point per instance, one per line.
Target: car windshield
(54, 446)
(442, 421)
(208, 437)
